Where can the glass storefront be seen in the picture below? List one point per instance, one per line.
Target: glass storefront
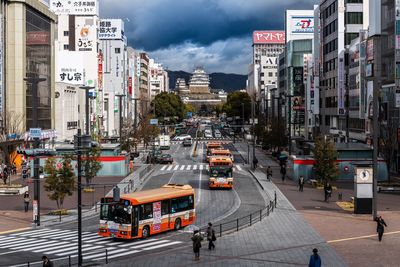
(38, 63)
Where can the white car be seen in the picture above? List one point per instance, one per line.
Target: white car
(217, 134)
(181, 137)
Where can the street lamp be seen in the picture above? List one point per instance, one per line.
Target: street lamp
(87, 89)
(120, 96)
(34, 80)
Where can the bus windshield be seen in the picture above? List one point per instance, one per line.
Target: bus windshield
(221, 171)
(116, 212)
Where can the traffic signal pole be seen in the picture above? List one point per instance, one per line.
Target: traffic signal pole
(34, 81)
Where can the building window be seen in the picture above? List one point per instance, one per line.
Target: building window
(349, 37)
(270, 74)
(327, 120)
(354, 18)
(117, 50)
(66, 47)
(66, 33)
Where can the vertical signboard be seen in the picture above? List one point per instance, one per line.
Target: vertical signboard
(86, 34)
(157, 216)
(111, 29)
(1, 65)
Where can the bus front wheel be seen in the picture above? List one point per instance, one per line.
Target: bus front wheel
(177, 225)
(145, 232)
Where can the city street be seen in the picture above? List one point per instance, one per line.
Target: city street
(212, 206)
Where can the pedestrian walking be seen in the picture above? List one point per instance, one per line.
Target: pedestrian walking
(196, 238)
(269, 173)
(5, 174)
(301, 183)
(46, 262)
(380, 227)
(328, 191)
(315, 259)
(26, 201)
(255, 162)
(211, 236)
(283, 172)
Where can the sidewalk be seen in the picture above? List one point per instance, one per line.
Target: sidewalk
(352, 236)
(282, 239)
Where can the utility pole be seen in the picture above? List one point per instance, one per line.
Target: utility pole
(87, 89)
(34, 80)
(120, 96)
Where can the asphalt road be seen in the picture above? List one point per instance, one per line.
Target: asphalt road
(212, 206)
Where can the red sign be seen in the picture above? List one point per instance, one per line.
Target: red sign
(130, 85)
(268, 37)
(37, 38)
(100, 71)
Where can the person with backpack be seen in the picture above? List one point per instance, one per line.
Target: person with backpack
(196, 238)
(269, 173)
(315, 259)
(211, 236)
(301, 183)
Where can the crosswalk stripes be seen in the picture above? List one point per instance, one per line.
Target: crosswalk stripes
(193, 167)
(61, 243)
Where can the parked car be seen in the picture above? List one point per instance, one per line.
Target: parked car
(181, 137)
(187, 142)
(165, 159)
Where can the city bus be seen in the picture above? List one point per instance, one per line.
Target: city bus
(144, 213)
(210, 146)
(222, 152)
(221, 172)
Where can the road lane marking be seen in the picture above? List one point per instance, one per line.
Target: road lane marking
(182, 167)
(30, 233)
(83, 249)
(15, 230)
(109, 252)
(176, 167)
(46, 247)
(238, 167)
(163, 245)
(201, 167)
(137, 242)
(150, 244)
(195, 167)
(65, 249)
(361, 237)
(170, 167)
(163, 167)
(188, 167)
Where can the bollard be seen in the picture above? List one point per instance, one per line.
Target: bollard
(60, 215)
(220, 230)
(106, 256)
(268, 210)
(260, 215)
(95, 207)
(275, 198)
(340, 196)
(69, 260)
(250, 219)
(29, 264)
(237, 225)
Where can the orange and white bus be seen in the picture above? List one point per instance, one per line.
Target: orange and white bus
(144, 213)
(221, 153)
(210, 146)
(221, 172)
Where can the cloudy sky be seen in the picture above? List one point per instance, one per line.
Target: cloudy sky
(183, 34)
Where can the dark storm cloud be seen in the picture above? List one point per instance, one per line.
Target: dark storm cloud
(156, 24)
(183, 34)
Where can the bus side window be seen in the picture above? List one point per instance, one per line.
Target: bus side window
(164, 207)
(174, 205)
(146, 211)
(191, 202)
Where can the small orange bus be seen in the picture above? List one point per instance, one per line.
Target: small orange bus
(144, 213)
(210, 146)
(221, 172)
(222, 153)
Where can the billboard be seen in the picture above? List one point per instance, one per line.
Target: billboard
(1, 65)
(268, 37)
(302, 25)
(70, 67)
(74, 7)
(85, 33)
(111, 29)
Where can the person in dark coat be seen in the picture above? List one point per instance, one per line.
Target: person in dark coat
(196, 238)
(380, 227)
(283, 172)
(301, 183)
(269, 173)
(46, 262)
(211, 236)
(255, 162)
(315, 259)
(26, 201)
(327, 191)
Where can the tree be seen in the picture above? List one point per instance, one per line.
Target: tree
(147, 132)
(59, 182)
(12, 122)
(325, 155)
(189, 108)
(388, 143)
(168, 105)
(233, 105)
(91, 164)
(219, 109)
